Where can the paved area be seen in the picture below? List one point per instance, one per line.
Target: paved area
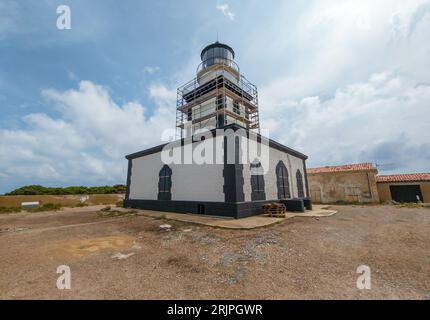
(127, 255)
(244, 223)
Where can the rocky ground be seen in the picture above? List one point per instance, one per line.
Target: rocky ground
(112, 256)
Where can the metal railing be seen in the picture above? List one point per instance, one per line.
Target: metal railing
(218, 61)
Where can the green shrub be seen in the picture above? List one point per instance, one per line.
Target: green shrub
(40, 190)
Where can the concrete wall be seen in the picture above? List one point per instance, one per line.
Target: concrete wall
(192, 182)
(425, 190)
(385, 194)
(144, 177)
(329, 187)
(189, 181)
(291, 162)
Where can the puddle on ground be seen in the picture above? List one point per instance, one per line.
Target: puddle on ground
(84, 247)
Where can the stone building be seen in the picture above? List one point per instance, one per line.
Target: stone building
(345, 183)
(410, 187)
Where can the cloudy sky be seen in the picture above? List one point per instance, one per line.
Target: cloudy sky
(341, 81)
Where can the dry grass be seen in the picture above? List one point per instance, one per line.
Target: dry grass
(9, 210)
(46, 207)
(63, 200)
(182, 262)
(108, 212)
(413, 205)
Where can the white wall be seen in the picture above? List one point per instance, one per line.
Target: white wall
(144, 177)
(190, 182)
(198, 182)
(292, 163)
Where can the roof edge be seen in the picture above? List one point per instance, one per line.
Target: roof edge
(404, 177)
(234, 126)
(354, 167)
(214, 45)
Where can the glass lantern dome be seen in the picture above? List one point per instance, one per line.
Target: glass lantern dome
(217, 53)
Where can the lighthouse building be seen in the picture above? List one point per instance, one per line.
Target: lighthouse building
(220, 163)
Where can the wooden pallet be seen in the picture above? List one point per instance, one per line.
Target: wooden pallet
(274, 209)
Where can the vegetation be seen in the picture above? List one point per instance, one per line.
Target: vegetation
(46, 207)
(9, 209)
(40, 190)
(108, 212)
(353, 203)
(82, 204)
(346, 203)
(410, 205)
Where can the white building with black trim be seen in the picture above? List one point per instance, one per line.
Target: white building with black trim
(219, 164)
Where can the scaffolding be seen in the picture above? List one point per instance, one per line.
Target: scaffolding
(217, 82)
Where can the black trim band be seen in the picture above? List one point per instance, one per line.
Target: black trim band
(127, 190)
(233, 174)
(306, 179)
(273, 144)
(225, 209)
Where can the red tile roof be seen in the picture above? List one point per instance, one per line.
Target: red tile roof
(347, 167)
(409, 177)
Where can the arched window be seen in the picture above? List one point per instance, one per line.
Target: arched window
(282, 181)
(300, 190)
(165, 183)
(257, 181)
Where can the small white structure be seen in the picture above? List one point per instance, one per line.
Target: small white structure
(220, 164)
(30, 205)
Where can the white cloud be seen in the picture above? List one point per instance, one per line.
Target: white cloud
(151, 69)
(357, 89)
(86, 144)
(224, 8)
(163, 96)
(383, 120)
(339, 42)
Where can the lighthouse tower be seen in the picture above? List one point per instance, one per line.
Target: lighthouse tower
(219, 95)
(232, 170)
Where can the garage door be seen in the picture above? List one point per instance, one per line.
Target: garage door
(407, 193)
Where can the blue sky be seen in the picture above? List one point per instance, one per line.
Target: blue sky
(342, 81)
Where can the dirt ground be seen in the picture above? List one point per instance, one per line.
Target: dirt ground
(300, 258)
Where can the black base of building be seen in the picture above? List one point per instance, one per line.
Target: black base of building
(225, 209)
